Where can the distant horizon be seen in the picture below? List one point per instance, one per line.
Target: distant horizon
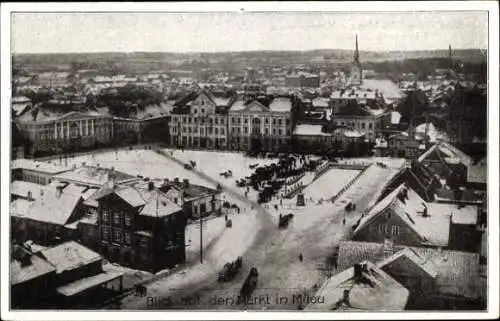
(241, 51)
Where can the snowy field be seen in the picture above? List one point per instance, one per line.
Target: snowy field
(214, 163)
(330, 183)
(138, 162)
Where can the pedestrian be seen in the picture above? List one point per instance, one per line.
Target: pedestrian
(301, 258)
(343, 221)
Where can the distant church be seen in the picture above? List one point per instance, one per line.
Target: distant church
(356, 76)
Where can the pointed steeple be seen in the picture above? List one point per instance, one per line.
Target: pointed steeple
(356, 52)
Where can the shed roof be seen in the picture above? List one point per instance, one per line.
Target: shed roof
(69, 256)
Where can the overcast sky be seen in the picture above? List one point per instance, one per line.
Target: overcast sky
(209, 32)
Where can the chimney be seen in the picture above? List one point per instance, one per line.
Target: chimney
(165, 181)
(185, 183)
(151, 186)
(358, 272)
(74, 166)
(176, 180)
(97, 165)
(41, 192)
(30, 196)
(346, 297)
(59, 190)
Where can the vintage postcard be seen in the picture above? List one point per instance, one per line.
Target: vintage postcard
(290, 160)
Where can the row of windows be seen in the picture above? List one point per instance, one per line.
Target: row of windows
(191, 130)
(120, 237)
(393, 230)
(196, 120)
(279, 121)
(234, 120)
(107, 215)
(353, 124)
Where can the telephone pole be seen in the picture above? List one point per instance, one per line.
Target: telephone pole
(201, 238)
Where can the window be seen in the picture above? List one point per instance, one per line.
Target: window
(144, 242)
(222, 131)
(267, 131)
(279, 122)
(183, 120)
(267, 121)
(202, 131)
(222, 121)
(105, 233)
(246, 121)
(128, 238)
(233, 120)
(117, 237)
(203, 110)
(382, 228)
(128, 219)
(210, 131)
(288, 121)
(216, 121)
(239, 120)
(216, 130)
(105, 215)
(274, 121)
(363, 125)
(190, 120)
(395, 230)
(370, 125)
(195, 111)
(116, 218)
(202, 102)
(274, 131)
(184, 130)
(233, 130)
(246, 130)
(280, 132)
(190, 130)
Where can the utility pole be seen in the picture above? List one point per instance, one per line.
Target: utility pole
(201, 238)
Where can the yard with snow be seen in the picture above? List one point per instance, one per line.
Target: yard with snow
(330, 183)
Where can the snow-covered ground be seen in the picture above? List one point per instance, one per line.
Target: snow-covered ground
(216, 162)
(138, 162)
(330, 183)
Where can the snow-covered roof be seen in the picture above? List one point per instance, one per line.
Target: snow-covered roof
(309, 130)
(53, 206)
(432, 230)
(22, 188)
(20, 273)
(281, 104)
(456, 271)
(386, 294)
(34, 165)
(387, 87)
(69, 256)
(395, 117)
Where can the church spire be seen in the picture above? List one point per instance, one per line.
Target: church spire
(356, 52)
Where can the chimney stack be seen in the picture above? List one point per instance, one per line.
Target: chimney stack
(59, 190)
(151, 186)
(30, 196)
(185, 183)
(358, 272)
(346, 297)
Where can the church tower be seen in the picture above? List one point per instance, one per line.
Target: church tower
(356, 77)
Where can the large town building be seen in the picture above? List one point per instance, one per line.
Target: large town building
(236, 122)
